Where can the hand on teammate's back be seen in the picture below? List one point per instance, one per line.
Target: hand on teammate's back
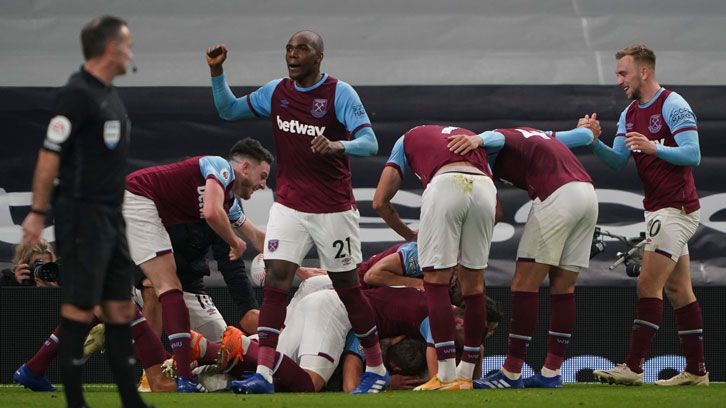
(463, 144)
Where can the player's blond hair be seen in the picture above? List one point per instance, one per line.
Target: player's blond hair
(640, 53)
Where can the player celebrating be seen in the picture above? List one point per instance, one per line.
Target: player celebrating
(555, 241)
(463, 221)
(200, 187)
(314, 116)
(659, 130)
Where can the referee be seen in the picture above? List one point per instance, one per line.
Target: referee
(86, 149)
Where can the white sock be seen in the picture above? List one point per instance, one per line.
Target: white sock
(379, 369)
(546, 372)
(465, 370)
(265, 372)
(447, 370)
(511, 376)
(245, 344)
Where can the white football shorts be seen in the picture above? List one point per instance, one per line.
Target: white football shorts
(668, 230)
(204, 316)
(291, 234)
(457, 213)
(559, 229)
(314, 336)
(145, 232)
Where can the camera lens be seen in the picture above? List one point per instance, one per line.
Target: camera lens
(633, 269)
(45, 271)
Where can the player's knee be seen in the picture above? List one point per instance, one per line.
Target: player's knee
(279, 277)
(678, 295)
(648, 288)
(250, 321)
(520, 283)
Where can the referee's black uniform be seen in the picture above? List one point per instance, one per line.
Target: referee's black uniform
(90, 230)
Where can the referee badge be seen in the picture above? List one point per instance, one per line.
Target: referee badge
(111, 133)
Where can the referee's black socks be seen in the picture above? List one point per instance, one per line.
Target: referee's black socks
(71, 336)
(121, 356)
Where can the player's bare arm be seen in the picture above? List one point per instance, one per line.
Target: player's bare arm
(253, 233)
(463, 144)
(306, 272)
(321, 145)
(388, 186)
(637, 141)
(388, 272)
(216, 56)
(217, 219)
(45, 172)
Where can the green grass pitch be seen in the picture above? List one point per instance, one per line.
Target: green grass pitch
(576, 395)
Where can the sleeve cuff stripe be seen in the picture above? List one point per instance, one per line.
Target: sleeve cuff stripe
(684, 129)
(359, 128)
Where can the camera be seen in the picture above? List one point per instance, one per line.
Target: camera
(598, 243)
(632, 268)
(45, 271)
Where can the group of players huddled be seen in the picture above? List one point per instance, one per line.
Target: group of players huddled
(403, 295)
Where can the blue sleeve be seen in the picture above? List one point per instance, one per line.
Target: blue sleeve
(220, 169)
(575, 138)
(217, 167)
(616, 157)
(363, 144)
(687, 153)
(678, 114)
(492, 142)
(352, 346)
(236, 214)
(230, 108)
(681, 120)
(425, 331)
(398, 157)
(409, 254)
(621, 124)
(350, 112)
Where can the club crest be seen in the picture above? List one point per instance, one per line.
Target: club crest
(656, 123)
(320, 108)
(272, 245)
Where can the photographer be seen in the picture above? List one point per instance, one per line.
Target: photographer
(32, 266)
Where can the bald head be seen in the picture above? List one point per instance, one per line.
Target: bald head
(310, 37)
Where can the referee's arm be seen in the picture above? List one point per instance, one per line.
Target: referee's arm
(45, 172)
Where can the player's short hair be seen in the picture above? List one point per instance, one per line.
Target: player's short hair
(23, 252)
(640, 53)
(315, 39)
(409, 355)
(98, 33)
(249, 148)
(494, 313)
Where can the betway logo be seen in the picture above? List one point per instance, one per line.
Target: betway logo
(293, 126)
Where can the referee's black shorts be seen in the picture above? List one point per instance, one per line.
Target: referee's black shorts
(95, 261)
